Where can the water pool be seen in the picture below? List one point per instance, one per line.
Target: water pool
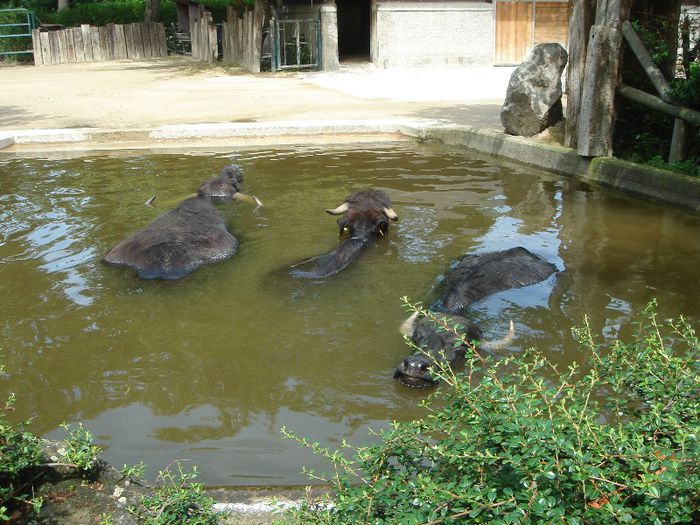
(210, 367)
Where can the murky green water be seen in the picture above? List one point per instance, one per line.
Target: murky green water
(210, 367)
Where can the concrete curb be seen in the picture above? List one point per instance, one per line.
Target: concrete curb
(632, 178)
(629, 177)
(285, 128)
(6, 142)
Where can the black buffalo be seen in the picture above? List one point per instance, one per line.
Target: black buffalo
(365, 216)
(181, 240)
(472, 279)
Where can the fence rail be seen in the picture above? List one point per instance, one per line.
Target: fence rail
(94, 44)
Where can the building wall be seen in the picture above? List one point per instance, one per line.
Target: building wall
(432, 33)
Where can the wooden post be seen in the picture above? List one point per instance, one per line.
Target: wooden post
(53, 46)
(117, 31)
(579, 29)
(680, 129)
(78, 44)
(87, 43)
(162, 40)
(45, 47)
(213, 46)
(95, 40)
(596, 117)
(36, 46)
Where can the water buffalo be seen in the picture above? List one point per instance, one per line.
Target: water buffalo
(365, 215)
(442, 341)
(473, 278)
(181, 240)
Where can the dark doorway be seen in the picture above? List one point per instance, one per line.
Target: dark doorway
(353, 29)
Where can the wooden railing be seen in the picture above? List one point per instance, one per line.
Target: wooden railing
(93, 44)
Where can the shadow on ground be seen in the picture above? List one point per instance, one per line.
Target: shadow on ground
(13, 115)
(477, 115)
(167, 68)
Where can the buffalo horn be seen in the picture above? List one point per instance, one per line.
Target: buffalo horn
(391, 214)
(409, 325)
(250, 199)
(339, 210)
(500, 343)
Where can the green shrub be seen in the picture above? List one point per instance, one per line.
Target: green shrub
(81, 453)
(176, 501)
(20, 454)
(22, 460)
(102, 13)
(518, 441)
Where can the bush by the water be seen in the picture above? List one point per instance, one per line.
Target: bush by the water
(20, 454)
(23, 465)
(519, 441)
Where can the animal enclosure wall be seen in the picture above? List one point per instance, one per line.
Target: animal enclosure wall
(414, 34)
(94, 44)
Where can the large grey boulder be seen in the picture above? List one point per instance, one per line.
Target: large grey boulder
(533, 99)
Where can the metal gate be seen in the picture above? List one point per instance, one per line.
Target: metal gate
(16, 31)
(295, 43)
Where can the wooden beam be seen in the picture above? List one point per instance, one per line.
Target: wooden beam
(645, 99)
(640, 51)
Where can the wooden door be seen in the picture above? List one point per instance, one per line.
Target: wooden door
(514, 30)
(522, 24)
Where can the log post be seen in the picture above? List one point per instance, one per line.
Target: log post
(597, 116)
(579, 29)
(680, 129)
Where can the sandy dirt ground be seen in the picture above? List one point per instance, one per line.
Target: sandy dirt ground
(177, 90)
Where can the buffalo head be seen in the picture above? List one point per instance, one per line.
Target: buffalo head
(365, 215)
(441, 342)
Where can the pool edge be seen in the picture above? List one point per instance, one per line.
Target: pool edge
(635, 179)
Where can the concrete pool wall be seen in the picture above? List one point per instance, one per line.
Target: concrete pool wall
(626, 176)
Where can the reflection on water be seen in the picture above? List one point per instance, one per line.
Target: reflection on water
(211, 366)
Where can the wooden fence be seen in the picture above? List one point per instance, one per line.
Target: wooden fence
(203, 39)
(93, 44)
(242, 37)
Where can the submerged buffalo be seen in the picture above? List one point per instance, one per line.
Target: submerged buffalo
(365, 215)
(189, 236)
(472, 279)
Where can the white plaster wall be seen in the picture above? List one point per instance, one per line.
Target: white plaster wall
(439, 33)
